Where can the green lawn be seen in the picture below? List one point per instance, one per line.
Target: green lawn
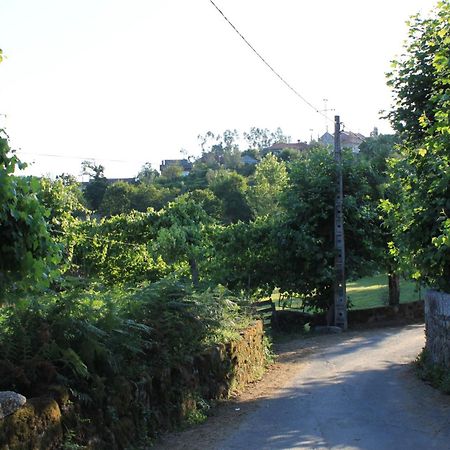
(368, 292)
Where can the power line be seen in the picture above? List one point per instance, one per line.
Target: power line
(88, 158)
(269, 66)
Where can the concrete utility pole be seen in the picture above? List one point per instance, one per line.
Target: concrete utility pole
(340, 296)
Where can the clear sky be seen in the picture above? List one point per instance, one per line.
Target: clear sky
(131, 81)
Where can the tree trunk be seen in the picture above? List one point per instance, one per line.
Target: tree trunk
(394, 289)
(194, 271)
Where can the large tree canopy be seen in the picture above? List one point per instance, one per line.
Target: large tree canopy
(28, 255)
(421, 86)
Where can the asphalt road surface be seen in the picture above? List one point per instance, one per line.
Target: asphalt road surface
(359, 393)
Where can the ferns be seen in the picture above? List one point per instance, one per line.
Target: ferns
(85, 337)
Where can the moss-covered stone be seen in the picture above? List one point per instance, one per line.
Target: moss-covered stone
(35, 426)
(127, 412)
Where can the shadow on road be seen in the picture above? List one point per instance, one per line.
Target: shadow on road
(355, 390)
(350, 406)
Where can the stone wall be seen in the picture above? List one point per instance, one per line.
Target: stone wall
(294, 321)
(138, 410)
(437, 327)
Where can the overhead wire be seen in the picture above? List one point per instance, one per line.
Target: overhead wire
(270, 67)
(258, 54)
(86, 158)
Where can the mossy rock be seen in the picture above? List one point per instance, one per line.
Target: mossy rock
(34, 426)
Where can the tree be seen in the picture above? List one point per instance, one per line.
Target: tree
(208, 201)
(230, 188)
(64, 201)
(172, 172)
(117, 249)
(421, 87)
(259, 138)
(269, 182)
(145, 196)
(305, 236)
(414, 78)
(378, 152)
(181, 237)
(246, 256)
(220, 150)
(96, 188)
(28, 255)
(117, 199)
(289, 154)
(293, 249)
(147, 174)
(197, 178)
(122, 197)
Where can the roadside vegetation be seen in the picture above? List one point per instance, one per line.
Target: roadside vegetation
(436, 375)
(123, 279)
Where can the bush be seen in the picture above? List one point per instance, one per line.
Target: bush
(437, 376)
(28, 255)
(77, 338)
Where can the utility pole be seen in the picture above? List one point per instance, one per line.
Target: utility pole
(340, 296)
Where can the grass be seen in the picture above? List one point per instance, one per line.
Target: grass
(368, 292)
(371, 292)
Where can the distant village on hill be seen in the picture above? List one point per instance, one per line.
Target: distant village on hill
(348, 140)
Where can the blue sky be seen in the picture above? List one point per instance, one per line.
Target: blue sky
(126, 82)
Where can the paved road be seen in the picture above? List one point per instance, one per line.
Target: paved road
(358, 394)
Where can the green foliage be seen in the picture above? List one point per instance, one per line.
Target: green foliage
(117, 199)
(289, 154)
(118, 249)
(421, 84)
(260, 138)
(28, 256)
(122, 197)
(306, 235)
(144, 246)
(270, 181)
(230, 188)
(199, 414)
(145, 196)
(198, 177)
(96, 187)
(82, 339)
(413, 77)
(147, 174)
(290, 245)
(437, 376)
(246, 256)
(172, 172)
(64, 201)
(181, 234)
(377, 150)
(208, 201)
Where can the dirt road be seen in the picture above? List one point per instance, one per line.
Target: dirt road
(351, 391)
